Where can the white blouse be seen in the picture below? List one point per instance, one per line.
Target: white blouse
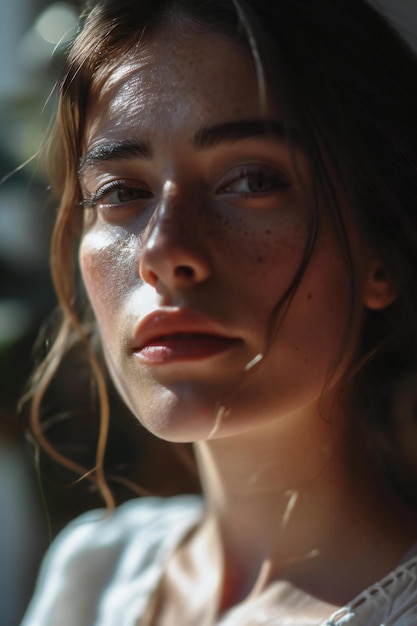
(102, 570)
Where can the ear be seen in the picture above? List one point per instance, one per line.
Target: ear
(379, 291)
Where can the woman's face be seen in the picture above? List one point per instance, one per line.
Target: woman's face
(197, 220)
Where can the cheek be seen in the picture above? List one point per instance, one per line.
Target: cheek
(263, 252)
(109, 268)
(320, 327)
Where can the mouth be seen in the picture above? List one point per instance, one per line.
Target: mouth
(178, 336)
(184, 347)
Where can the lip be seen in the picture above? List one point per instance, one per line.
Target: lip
(173, 335)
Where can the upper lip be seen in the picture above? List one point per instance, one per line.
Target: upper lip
(172, 321)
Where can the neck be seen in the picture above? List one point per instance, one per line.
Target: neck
(292, 503)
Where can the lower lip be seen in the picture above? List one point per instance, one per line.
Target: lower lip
(191, 347)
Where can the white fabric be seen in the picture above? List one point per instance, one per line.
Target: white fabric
(391, 602)
(102, 570)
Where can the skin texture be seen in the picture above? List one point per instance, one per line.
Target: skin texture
(221, 230)
(243, 250)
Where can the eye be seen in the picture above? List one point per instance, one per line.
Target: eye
(117, 194)
(254, 180)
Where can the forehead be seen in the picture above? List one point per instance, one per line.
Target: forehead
(171, 81)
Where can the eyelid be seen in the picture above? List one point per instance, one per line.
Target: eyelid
(94, 199)
(256, 169)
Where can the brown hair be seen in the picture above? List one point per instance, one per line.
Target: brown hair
(343, 77)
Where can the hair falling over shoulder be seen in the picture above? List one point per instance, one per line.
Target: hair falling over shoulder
(342, 77)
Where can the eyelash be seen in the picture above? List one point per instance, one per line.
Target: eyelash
(116, 185)
(251, 173)
(257, 173)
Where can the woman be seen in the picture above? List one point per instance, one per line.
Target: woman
(242, 179)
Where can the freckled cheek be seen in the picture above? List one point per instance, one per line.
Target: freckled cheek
(271, 253)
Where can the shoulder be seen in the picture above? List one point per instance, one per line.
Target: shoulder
(150, 516)
(98, 537)
(99, 552)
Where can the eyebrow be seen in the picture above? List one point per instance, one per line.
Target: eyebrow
(206, 137)
(122, 149)
(230, 132)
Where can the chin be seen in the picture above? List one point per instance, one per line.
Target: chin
(169, 415)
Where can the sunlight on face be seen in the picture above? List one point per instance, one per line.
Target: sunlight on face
(199, 215)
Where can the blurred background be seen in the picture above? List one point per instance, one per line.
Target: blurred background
(36, 497)
(32, 33)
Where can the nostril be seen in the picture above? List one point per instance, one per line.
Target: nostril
(184, 271)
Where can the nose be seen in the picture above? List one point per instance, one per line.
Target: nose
(171, 257)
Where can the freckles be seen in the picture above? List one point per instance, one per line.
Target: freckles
(287, 249)
(276, 251)
(218, 89)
